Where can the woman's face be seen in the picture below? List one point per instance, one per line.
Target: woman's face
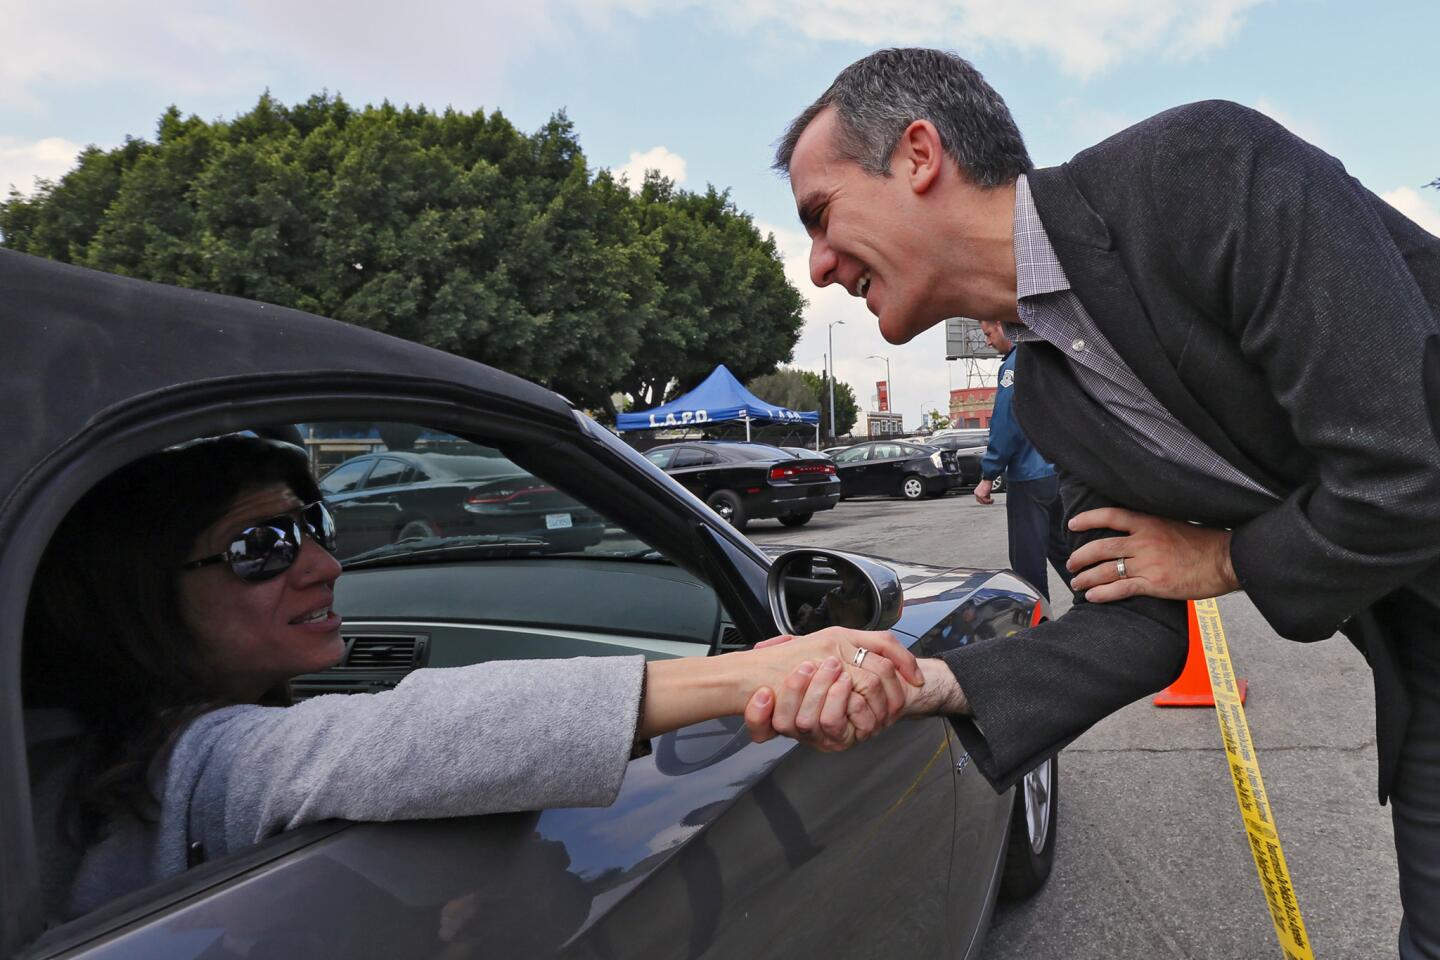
(258, 634)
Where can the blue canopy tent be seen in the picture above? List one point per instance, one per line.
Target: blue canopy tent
(720, 397)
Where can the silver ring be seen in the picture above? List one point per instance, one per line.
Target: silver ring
(1120, 568)
(859, 657)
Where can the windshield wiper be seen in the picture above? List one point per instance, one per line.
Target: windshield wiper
(432, 549)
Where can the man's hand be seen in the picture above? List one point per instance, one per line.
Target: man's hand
(982, 492)
(1163, 558)
(847, 701)
(817, 706)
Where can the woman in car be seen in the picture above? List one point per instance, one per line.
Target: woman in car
(179, 597)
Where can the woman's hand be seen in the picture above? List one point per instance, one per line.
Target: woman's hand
(1163, 558)
(847, 701)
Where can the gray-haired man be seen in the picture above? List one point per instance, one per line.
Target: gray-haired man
(1183, 295)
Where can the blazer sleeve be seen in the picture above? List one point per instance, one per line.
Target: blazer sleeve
(1276, 240)
(1032, 693)
(1005, 435)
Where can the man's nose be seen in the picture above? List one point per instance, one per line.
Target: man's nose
(822, 263)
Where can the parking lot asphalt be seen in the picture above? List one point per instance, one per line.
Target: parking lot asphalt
(1153, 861)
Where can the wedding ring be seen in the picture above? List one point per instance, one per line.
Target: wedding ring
(1120, 568)
(859, 657)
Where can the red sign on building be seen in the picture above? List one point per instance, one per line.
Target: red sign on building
(882, 390)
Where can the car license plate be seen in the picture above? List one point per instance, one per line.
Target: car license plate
(558, 521)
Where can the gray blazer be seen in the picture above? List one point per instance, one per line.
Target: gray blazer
(1288, 317)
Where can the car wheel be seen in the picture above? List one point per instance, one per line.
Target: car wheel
(912, 487)
(417, 529)
(796, 519)
(728, 505)
(1030, 853)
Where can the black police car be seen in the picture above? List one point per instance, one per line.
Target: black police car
(751, 481)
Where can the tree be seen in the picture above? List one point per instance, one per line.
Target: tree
(937, 420)
(847, 411)
(454, 230)
(786, 388)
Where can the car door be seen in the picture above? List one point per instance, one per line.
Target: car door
(887, 465)
(688, 467)
(852, 465)
(715, 847)
(370, 516)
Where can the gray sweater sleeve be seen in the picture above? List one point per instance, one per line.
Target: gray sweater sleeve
(494, 737)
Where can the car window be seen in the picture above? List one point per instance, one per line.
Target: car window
(885, 451)
(691, 457)
(661, 458)
(387, 473)
(345, 477)
(852, 455)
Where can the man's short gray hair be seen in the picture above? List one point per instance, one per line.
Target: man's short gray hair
(878, 97)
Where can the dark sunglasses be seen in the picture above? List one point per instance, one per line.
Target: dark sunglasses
(270, 547)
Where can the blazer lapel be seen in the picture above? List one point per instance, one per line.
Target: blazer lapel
(1097, 275)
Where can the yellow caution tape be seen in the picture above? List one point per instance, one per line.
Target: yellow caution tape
(1250, 789)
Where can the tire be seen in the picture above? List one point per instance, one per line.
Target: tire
(416, 529)
(727, 504)
(796, 519)
(1030, 851)
(912, 487)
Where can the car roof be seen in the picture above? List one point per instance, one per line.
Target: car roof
(82, 342)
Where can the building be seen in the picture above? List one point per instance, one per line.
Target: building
(971, 406)
(877, 423)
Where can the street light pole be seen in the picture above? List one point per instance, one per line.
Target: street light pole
(831, 332)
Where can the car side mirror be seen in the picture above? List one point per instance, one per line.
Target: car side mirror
(813, 589)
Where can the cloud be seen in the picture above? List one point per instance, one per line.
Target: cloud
(1082, 37)
(21, 162)
(1302, 128)
(669, 164)
(1422, 207)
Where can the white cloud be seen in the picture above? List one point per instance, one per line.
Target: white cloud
(458, 53)
(669, 164)
(22, 161)
(1082, 36)
(1423, 208)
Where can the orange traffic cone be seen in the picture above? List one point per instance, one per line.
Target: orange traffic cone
(1192, 687)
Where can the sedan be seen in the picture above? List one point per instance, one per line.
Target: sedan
(892, 468)
(751, 481)
(381, 498)
(715, 846)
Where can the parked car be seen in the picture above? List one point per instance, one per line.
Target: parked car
(831, 451)
(805, 453)
(968, 454)
(380, 498)
(750, 481)
(715, 846)
(892, 468)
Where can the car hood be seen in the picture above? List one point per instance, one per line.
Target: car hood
(931, 592)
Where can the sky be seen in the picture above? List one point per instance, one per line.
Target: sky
(702, 90)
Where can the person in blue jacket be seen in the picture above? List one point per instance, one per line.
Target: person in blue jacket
(1033, 511)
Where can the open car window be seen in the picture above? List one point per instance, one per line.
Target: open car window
(477, 502)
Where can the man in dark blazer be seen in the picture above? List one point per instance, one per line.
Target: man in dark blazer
(1186, 296)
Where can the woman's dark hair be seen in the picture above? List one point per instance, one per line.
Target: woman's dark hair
(103, 631)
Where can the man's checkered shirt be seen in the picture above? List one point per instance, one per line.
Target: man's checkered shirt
(1050, 311)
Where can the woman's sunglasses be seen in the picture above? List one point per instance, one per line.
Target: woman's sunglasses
(270, 547)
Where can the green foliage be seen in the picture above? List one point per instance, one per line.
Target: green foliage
(847, 411)
(786, 388)
(450, 229)
(935, 420)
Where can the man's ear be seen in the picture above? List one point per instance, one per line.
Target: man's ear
(919, 156)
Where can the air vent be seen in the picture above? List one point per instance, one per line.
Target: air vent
(731, 638)
(401, 653)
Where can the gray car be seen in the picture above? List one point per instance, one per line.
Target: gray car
(715, 847)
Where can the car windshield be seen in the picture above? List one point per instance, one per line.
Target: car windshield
(404, 494)
(756, 451)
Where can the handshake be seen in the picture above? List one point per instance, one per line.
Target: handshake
(838, 686)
